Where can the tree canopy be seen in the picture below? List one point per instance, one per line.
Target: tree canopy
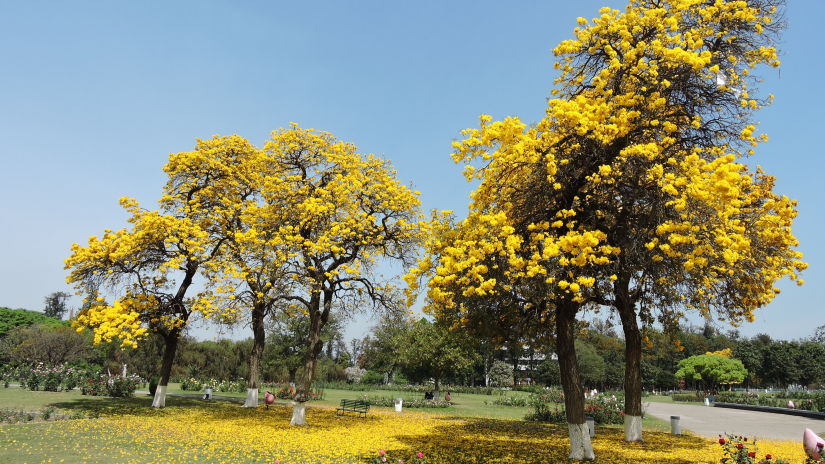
(712, 370)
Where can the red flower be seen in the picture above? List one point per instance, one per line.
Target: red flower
(721, 441)
(751, 454)
(768, 457)
(419, 455)
(740, 445)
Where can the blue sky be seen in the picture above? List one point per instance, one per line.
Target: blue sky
(95, 95)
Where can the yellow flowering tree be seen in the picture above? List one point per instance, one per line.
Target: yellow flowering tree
(334, 213)
(151, 266)
(629, 192)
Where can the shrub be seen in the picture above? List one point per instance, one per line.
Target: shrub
(153, 385)
(387, 402)
(114, 386)
(686, 397)
(190, 384)
(603, 409)
(122, 387)
(505, 400)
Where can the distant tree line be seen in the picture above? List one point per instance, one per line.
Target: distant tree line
(402, 350)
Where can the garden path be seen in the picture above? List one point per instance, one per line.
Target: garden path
(710, 422)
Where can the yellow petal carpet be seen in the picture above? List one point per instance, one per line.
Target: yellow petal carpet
(227, 433)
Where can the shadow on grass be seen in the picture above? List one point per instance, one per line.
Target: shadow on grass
(104, 406)
(479, 441)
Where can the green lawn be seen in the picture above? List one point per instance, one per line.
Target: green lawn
(35, 442)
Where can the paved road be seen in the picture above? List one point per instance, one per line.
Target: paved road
(710, 421)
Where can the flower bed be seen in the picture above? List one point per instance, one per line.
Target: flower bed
(115, 386)
(603, 409)
(196, 385)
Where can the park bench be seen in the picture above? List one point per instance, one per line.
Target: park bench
(357, 406)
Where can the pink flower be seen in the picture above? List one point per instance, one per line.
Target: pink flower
(419, 455)
(381, 452)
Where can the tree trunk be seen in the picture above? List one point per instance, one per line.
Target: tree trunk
(255, 357)
(487, 371)
(633, 359)
(317, 319)
(171, 342)
(580, 446)
(437, 391)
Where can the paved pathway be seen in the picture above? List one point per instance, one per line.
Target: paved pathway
(710, 422)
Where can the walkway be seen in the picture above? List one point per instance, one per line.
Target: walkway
(710, 422)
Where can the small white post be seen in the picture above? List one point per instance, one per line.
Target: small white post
(399, 403)
(591, 424)
(675, 428)
(707, 401)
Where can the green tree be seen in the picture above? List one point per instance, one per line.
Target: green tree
(55, 304)
(710, 370)
(779, 366)
(12, 318)
(288, 335)
(809, 361)
(432, 351)
(591, 364)
(750, 352)
(380, 350)
(501, 374)
(51, 345)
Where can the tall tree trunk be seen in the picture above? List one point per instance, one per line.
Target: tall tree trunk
(258, 341)
(171, 345)
(580, 446)
(437, 391)
(633, 359)
(317, 319)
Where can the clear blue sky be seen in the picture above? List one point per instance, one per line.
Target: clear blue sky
(95, 95)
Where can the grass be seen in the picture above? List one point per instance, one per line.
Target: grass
(192, 430)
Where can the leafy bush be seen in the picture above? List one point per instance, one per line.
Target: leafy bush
(114, 386)
(190, 384)
(552, 395)
(385, 401)
(604, 409)
(686, 397)
(153, 385)
(802, 400)
(504, 400)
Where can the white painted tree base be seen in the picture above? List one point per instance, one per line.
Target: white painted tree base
(581, 448)
(159, 401)
(298, 414)
(632, 428)
(251, 398)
